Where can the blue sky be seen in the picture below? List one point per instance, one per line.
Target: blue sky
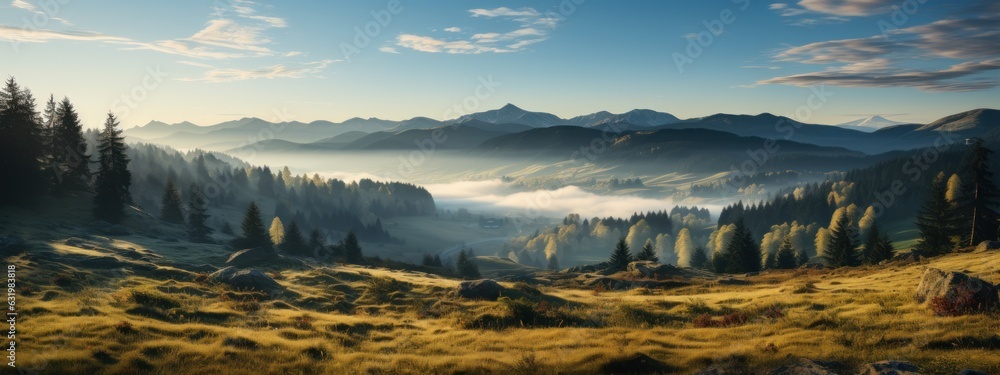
(212, 61)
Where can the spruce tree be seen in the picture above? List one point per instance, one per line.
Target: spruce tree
(620, 256)
(801, 257)
(352, 248)
(315, 242)
(742, 254)
(647, 252)
(553, 263)
(877, 247)
(70, 160)
(428, 260)
(785, 258)
(979, 199)
(21, 145)
(254, 234)
(114, 179)
(934, 221)
(841, 247)
(699, 259)
(294, 242)
(466, 267)
(197, 229)
(170, 205)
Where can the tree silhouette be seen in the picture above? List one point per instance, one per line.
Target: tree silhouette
(69, 159)
(979, 198)
(620, 256)
(877, 247)
(254, 234)
(114, 179)
(294, 242)
(170, 210)
(841, 247)
(352, 249)
(742, 253)
(21, 145)
(785, 257)
(465, 267)
(197, 229)
(647, 252)
(699, 259)
(934, 221)
(553, 263)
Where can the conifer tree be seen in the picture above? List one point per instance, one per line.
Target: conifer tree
(254, 234)
(294, 242)
(699, 259)
(785, 257)
(466, 267)
(553, 263)
(877, 247)
(21, 151)
(70, 160)
(114, 180)
(197, 228)
(801, 257)
(934, 221)
(315, 242)
(742, 254)
(648, 253)
(277, 231)
(170, 210)
(841, 247)
(352, 248)
(979, 198)
(620, 256)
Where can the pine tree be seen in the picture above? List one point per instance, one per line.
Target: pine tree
(466, 267)
(114, 179)
(841, 247)
(801, 257)
(621, 256)
(979, 197)
(197, 230)
(49, 119)
(878, 246)
(553, 263)
(170, 210)
(648, 253)
(935, 221)
(227, 228)
(785, 258)
(437, 261)
(352, 249)
(315, 242)
(699, 259)
(69, 159)
(428, 260)
(294, 242)
(742, 254)
(21, 145)
(254, 234)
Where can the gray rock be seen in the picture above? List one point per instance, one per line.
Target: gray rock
(480, 289)
(651, 270)
(246, 279)
(12, 245)
(889, 368)
(802, 366)
(957, 288)
(255, 257)
(988, 246)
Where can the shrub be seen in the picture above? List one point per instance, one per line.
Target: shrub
(124, 327)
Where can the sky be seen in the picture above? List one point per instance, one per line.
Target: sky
(818, 61)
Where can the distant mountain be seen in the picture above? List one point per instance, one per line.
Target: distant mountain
(972, 123)
(513, 114)
(588, 120)
(448, 137)
(870, 124)
(639, 117)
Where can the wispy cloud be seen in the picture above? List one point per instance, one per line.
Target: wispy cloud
(822, 12)
(388, 50)
(22, 4)
(16, 34)
(533, 27)
(310, 69)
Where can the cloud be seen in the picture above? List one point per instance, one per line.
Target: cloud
(229, 34)
(15, 34)
(243, 9)
(922, 56)
(22, 4)
(768, 67)
(388, 50)
(270, 72)
(850, 8)
(533, 27)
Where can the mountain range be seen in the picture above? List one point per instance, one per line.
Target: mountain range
(870, 124)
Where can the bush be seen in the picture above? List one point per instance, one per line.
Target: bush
(124, 327)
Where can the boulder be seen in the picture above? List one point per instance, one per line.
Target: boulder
(12, 245)
(636, 364)
(988, 246)
(889, 368)
(802, 366)
(963, 292)
(651, 270)
(599, 267)
(255, 257)
(246, 279)
(480, 289)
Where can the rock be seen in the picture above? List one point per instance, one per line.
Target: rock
(480, 289)
(12, 245)
(988, 246)
(651, 270)
(964, 292)
(905, 258)
(246, 279)
(588, 268)
(802, 366)
(636, 364)
(889, 368)
(255, 257)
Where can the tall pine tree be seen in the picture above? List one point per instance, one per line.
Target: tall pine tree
(114, 180)
(170, 204)
(352, 248)
(785, 257)
(842, 245)
(254, 234)
(70, 161)
(979, 198)
(465, 267)
(742, 254)
(935, 221)
(647, 252)
(877, 247)
(21, 145)
(197, 229)
(294, 242)
(621, 255)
